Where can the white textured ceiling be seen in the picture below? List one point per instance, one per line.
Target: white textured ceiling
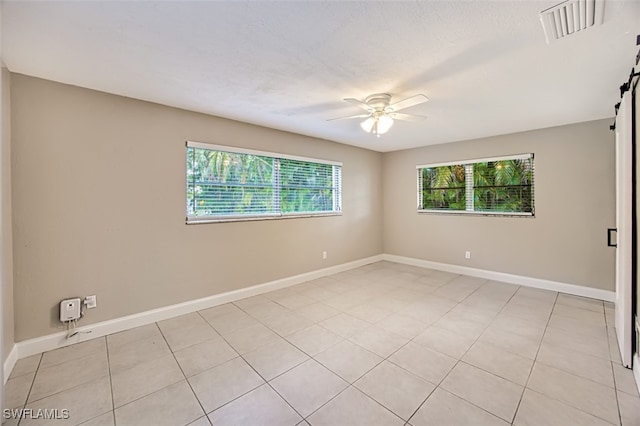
(484, 65)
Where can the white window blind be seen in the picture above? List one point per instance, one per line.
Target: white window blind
(498, 186)
(225, 183)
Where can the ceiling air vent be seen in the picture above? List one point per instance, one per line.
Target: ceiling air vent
(569, 17)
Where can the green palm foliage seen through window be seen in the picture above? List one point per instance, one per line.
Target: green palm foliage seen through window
(224, 184)
(494, 186)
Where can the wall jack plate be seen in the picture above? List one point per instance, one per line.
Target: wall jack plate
(70, 309)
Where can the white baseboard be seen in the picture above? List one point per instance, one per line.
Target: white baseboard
(57, 340)
(577, 290)
(10, 362)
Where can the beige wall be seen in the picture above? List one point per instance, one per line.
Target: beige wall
(6, 260)
(574, 201)
(99, 207)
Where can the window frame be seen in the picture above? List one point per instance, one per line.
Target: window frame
(337, 189)
(469, 189)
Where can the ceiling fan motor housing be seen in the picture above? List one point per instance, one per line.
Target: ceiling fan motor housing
(378, 101)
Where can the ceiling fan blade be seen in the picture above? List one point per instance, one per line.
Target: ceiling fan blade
(409, 102)
(351, 116)
(406, 117)
(359, 104)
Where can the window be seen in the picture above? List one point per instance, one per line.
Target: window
(501, 186)
(225, 184)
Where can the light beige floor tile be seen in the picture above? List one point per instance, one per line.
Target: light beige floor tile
(282, 292)
(499, 362)
(533, 330)
(537, 409)
(60, 377)
(402, 325)
(251, 301)
(203, 356)
(580, 393)
(129, 355)
(133, 335)
(443, 408)
(295, 301)
(490, 392)
(339, 287)
(202, 421)
(429, 308)
(510, 342)
(395, 388)
(344, 325)
(186, 330)
(629, 409)
(457, 323)
(610, 319)
(143, 379)
(287, 323)
(228, 308)
(614, 348)
(446, 341)
(389, 303)
(229, 322)
(424, 362)
(259, 407)
(274, 359)
(308, 386)
(479, 315)
(381, 342)
(317, 312)
(251, 338)
(354, 408)
(527, 312)
(105, 419)
(263, 311)
(577, 342)
(74, 352)
(16, 390)
(84, 402)
(25, 366)
(318, 293)
(537, 294)
(587, 317)
(315, 339)
(221, 384)
(459, 288)
(348, 360)
(625, 381)
(594, 305)
(583, 365)
(369, 313)
(573, 325)
(174, 405)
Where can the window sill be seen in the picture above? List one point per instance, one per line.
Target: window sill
(476, 213)
(197, 221)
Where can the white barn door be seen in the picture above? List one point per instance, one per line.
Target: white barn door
(624, 159)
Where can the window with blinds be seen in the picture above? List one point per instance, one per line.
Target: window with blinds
(226, 184)
(492, 186)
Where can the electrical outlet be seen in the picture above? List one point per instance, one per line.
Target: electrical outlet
(467, 255)
(70, 309)
(324, 254)
(90, 302)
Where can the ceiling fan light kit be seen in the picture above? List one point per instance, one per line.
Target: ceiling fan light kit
(381, 113)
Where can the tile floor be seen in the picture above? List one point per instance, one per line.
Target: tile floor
(384, 344)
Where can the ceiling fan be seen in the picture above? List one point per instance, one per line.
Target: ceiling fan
(381, 112)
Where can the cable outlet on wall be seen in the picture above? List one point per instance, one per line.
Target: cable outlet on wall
(70, 309)
(467, 255)
(90, 302)
(324, 254)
